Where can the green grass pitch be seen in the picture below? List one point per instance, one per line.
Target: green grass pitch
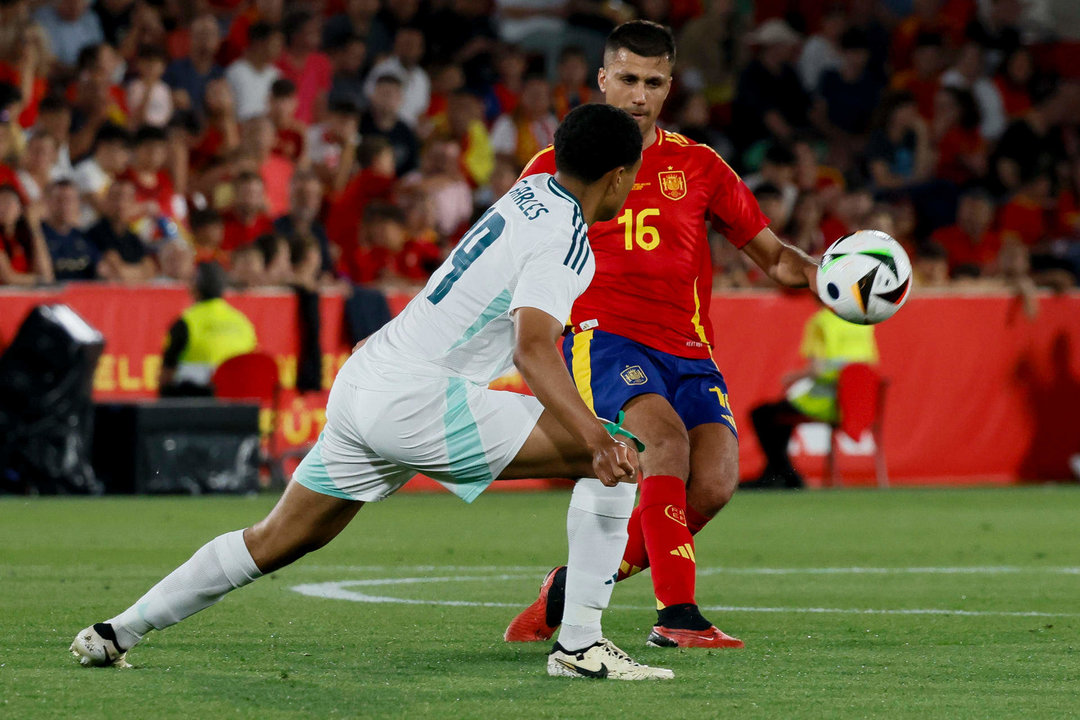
(904, 603)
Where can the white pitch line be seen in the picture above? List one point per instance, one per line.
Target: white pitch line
(972, 570)
(342, 590)
(892, 611)
(957, 570)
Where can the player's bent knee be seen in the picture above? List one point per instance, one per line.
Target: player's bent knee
(709, 495)
(592, 496)
(667, 454)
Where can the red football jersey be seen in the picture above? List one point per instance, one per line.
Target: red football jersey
(653, 267)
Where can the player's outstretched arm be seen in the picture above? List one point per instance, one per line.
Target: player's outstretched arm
(537, 357)
(786, 264)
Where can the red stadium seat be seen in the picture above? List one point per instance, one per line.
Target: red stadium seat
(254, 376)
(251, 376)
(860, 399)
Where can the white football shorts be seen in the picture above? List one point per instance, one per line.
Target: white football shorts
(378, 437)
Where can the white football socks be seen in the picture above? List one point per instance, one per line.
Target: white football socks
(221, 565)
(596, 532)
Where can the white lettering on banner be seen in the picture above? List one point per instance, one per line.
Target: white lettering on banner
(812, 440)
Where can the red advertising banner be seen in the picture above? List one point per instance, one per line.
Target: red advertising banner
(978, 391)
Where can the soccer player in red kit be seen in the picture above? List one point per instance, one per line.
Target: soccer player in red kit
(642, 342)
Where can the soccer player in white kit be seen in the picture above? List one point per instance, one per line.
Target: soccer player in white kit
(414, 399)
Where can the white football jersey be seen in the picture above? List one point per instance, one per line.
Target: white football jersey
(531, 249)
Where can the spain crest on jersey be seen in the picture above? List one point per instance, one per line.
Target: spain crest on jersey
(673, 184)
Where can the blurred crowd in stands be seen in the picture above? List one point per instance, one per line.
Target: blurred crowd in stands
(343, 142)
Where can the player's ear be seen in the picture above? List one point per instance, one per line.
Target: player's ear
(615, 179)
(601, 79)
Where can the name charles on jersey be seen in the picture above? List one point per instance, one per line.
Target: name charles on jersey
(526, 201)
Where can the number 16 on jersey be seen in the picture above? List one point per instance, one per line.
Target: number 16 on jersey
(636, 230)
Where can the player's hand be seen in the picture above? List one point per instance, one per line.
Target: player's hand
(615, 462)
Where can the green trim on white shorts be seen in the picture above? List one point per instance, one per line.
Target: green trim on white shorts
(312, 474)
(469, 467)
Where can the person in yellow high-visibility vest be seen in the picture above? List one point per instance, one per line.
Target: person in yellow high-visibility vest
(205, 335)
(829, 343)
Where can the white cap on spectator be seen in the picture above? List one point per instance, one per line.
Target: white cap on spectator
(774, 32)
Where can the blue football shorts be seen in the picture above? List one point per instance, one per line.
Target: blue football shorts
(609, 370)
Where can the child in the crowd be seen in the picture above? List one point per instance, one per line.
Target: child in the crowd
(422, 253)
(208, 235)
(149, 100)
(331, 144)
(380, 237)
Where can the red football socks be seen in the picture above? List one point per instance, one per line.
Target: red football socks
(695, 520)
(636, 557)
(668, 541)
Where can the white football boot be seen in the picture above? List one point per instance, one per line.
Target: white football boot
(601, 660)
(96, 646)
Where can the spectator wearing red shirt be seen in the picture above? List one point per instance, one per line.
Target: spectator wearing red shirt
(24, 257)
(247, 219)
(1067, 209)
(27, 69)
(372, 254)
(422, 253)
(926, 17)
(510, 65)
(257, 147)
(961, 149)
(1014, 81)
(1024, 217)
(207, 235)
(304, 64)
(95, 100)
(220, 134)
(236, 40)
(445, 81)
(375, 181)
(972, 245)
(289, 133)
(923, 79)
(846, 213)
(154, 189)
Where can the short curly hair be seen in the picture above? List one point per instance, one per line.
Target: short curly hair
(595, 139)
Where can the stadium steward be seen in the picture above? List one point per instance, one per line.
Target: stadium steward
(205, 335)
